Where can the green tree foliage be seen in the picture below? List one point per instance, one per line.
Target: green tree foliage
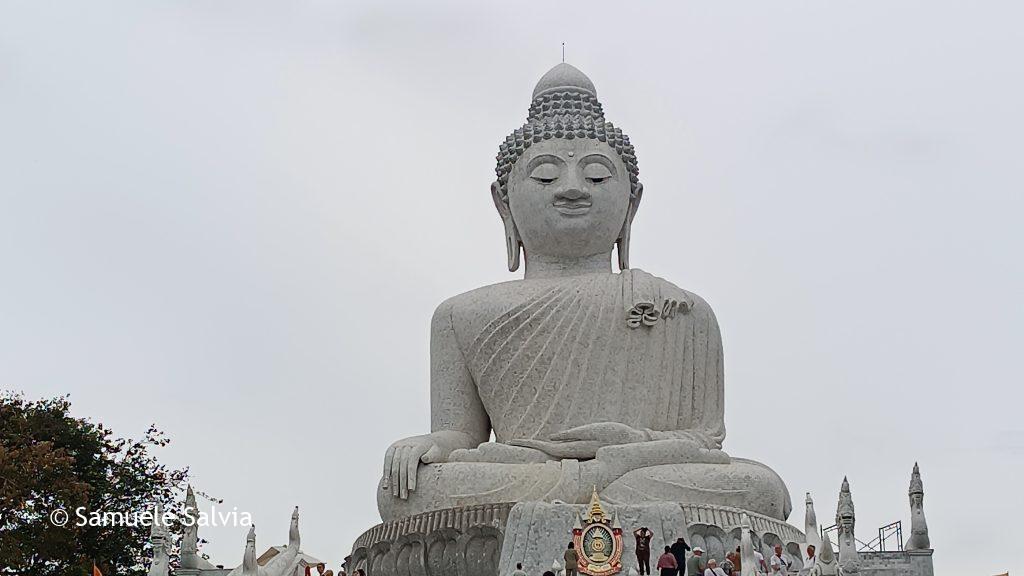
(52, 460)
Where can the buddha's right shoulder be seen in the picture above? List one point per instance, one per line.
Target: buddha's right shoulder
(477, 302)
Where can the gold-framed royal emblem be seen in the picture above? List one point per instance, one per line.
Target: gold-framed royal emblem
(598, 541)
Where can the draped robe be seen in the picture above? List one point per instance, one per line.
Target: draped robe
(548, 355)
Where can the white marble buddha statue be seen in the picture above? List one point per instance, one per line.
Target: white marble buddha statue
(586, 377)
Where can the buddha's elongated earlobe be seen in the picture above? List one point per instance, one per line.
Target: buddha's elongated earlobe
(512, 241)
(627, 226)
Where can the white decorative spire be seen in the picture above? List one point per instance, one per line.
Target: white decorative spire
(159, 538)
(826, 565)
(919, 539)
(284, 563)
(249, 566)
(189, 555)
(811, 531)
(849, 559)
(748, 562)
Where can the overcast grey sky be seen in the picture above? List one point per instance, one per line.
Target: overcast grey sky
(234, 219)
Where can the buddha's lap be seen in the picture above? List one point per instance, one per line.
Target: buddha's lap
(743, 484)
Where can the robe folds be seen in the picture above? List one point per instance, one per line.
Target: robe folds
(548, 355)
(545, 355)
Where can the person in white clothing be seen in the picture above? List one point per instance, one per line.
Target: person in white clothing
(762, 567)
(519, 570)
(809, 561)
(713, 569)
(779, 565)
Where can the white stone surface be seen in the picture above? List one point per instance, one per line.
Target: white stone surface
(282, 564)
(162, 543)
(538, 533)
(748, 562)
(585, 377)
(827, 564)
(919, 539)
(811, 529)
(846, 519)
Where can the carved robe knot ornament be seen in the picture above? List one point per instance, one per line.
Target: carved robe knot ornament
(643, 314)
(647, 302)
(598, 541)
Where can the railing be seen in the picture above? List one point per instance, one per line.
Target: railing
(886, 535)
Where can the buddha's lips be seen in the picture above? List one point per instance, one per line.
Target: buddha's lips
(572, 207)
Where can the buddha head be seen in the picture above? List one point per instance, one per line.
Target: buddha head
(567, 184)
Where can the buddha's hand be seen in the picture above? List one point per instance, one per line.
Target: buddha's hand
(403, 458)
(583, 442)
(617, 460)
(497, 453)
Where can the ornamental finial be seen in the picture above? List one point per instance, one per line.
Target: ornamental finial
(845, 507)
(597, 513)
(916, 486)
(564, 78)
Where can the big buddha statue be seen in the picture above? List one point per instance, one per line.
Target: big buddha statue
(572, 382)
(588, 378)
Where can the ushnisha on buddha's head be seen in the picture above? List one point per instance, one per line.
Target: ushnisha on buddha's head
(567, 186)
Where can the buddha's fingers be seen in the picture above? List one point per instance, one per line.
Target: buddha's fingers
(579, 450)
(388, 458)
(413, 462)
(658, 452)
(396, 464)
(461, 455)
(604, 432)
(433, 455)
(403, 473)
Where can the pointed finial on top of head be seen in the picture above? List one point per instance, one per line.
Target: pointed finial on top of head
(564, 77)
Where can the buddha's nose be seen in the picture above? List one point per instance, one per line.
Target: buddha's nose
(572, 191)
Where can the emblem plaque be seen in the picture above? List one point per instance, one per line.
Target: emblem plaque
(598, 541)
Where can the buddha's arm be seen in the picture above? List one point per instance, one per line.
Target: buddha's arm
(458, 419)
(455, 404)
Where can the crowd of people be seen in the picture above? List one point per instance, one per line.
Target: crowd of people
(679, 559)
(676, 562)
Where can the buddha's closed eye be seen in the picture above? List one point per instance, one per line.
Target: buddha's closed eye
(545, 173)
(596, 173)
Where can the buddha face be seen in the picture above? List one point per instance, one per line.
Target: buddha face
(569, 198)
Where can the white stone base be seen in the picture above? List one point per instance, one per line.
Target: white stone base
(538, 533)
